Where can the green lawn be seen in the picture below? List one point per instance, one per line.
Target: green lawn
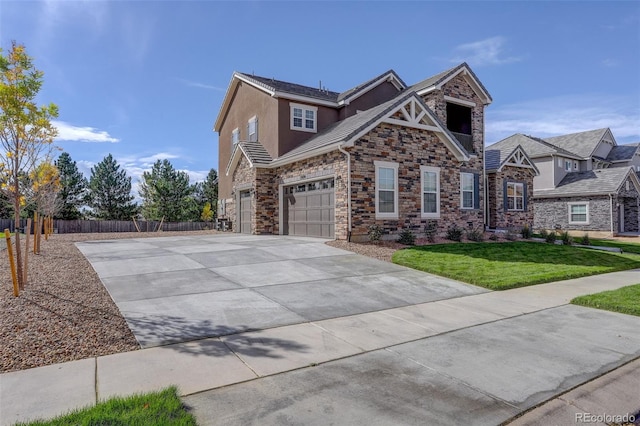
(500, 266)
(157, 408)
(624, 246)
(625, 300)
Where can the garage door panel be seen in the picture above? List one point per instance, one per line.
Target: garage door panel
(309, 209)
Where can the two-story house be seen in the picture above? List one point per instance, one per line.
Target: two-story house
(298, 160)
(586, 181)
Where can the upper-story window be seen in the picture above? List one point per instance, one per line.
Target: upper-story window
(235, 137)
(459, 123)
(252, 129)
(304, 118)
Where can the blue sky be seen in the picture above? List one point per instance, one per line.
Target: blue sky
(144, 80)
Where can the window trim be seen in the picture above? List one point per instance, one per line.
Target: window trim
(304, 109)
(423, 170)
(462, 191)
(253, 120)
(387, 165)
(578, 203)
(515, 197)
(235, 137)
(567, 165)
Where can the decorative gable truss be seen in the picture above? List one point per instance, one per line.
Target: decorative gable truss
(519, 158)
(415, 114)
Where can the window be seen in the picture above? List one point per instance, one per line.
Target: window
(252, 129)
(386, 190)
(235, 138)
(515, 196)
(468, 185)
(578, 213)
(303, 117)
(567, 165)
(458, 118)
(430, 177)
(575, 165)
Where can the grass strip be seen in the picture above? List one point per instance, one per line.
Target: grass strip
(625, 300)
(155, 408)
(501, 266)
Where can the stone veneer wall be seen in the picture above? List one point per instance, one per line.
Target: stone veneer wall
(458, 88)
(332, 164)
(499, 217)
(553, 213)
(410, 148)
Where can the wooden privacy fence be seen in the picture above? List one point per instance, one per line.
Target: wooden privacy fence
(91, 226)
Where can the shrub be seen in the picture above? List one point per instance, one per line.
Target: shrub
(511, 235)
(407, 237)
(430, 229)
(525, 232)
(567, 240)
(493, 236)
(476, 234)
(551, 237)
(375, 233)
(544, 234)
(454, 233)
(586, 241)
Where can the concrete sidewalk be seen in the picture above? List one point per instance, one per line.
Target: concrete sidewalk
(482, 359)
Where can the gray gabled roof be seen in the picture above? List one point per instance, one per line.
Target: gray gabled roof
(496, 155)
(442, 77)
(623, 152)
(582, 144)
(292, 88)
(534, 147)
(593, 182)
(364, 86)
(347, 129)
(253, 150)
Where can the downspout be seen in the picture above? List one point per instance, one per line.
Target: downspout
(611, 210)
(348, 190)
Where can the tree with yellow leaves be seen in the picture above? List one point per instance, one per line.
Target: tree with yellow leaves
(26, 132)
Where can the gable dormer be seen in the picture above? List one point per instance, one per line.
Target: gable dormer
(458, 98)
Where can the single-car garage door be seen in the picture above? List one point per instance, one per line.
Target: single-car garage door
(245, 212)
(309, 209)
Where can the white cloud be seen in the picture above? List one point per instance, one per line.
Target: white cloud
(69, 132)
(199, 85)
(155, 157)
(566, 114)
(196, 175)
(484, 52)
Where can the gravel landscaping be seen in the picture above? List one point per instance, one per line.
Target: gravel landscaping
(64, 313)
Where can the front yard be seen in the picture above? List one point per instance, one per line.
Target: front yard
(625, 300)
(512, 264)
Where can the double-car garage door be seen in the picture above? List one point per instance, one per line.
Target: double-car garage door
(309, 209)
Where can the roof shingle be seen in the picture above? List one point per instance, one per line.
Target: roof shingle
(593, 182)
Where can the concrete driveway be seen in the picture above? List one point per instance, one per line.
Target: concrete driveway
(178, 289)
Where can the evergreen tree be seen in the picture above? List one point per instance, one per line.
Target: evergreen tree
(210, 190)
(166, 193)
(73, 188)
(110, 191)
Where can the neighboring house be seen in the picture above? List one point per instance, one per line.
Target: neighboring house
(510, 173)
(587, 182)
(298, 160)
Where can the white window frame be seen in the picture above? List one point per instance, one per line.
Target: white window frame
(235, 137)
(515, 196)
(423, 170)
(252, 121)
(304, 109)
(462, 191)
(387, 165)
(578, 203)
(567, 165)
